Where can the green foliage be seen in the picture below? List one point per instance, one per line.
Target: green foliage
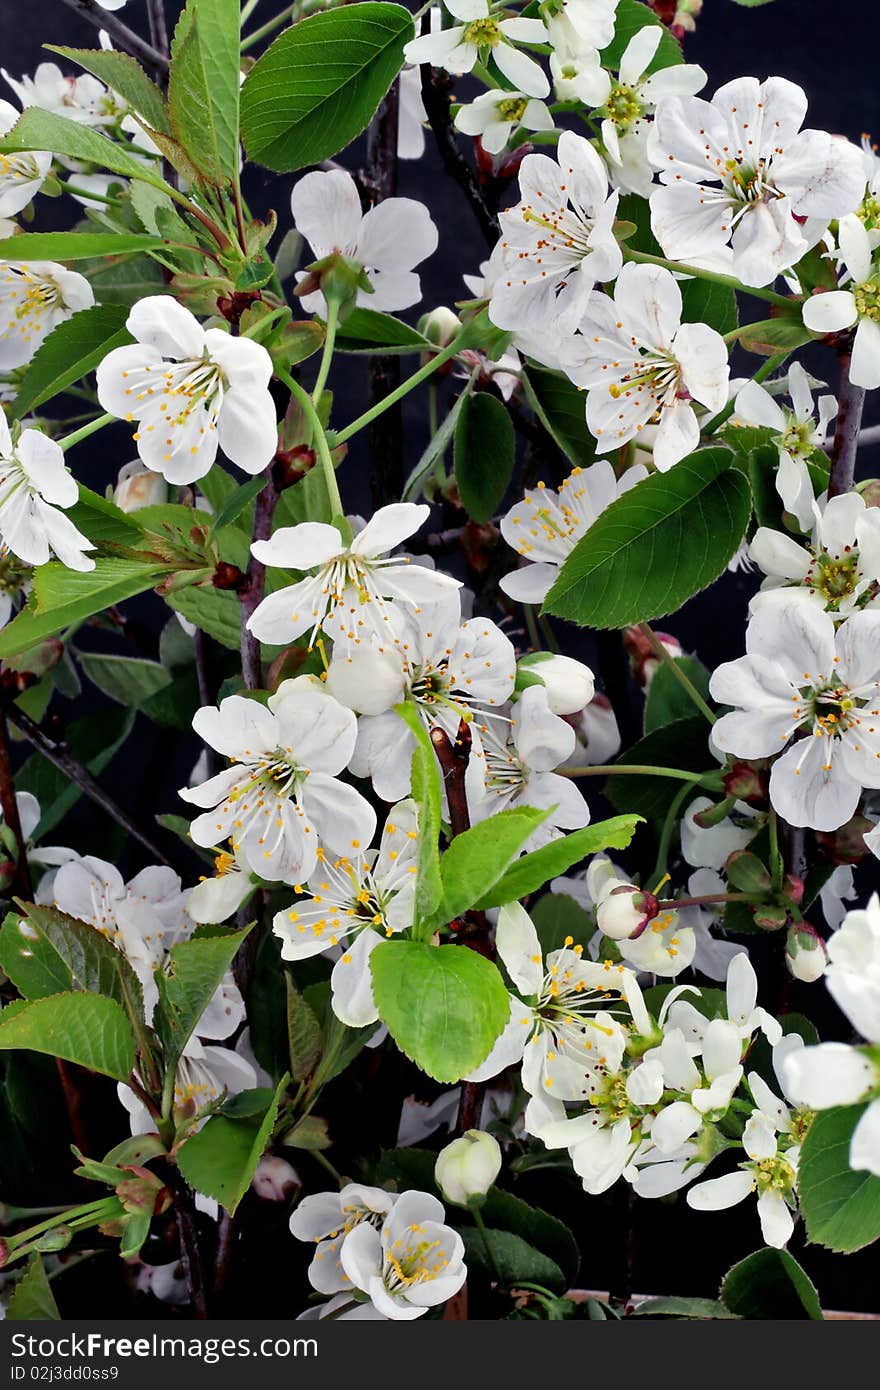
(657, 545)
(88, 1029)
(319, 84)
(681, 744)
(561, 409)
(304, 1040)
(130, 680)
(533, 870)
(43, 130)
(781, 334)
(203, 88)
(436, 447)
(700, 1309)
(45, 952)
(841, 1206)
(703, 301)
(631, 17)
(365, 330)
(70, 352)
(32, 1299)
(221, 1159)
(74, 246)
(426, 791)
(192, 975)
(484, 455)
(62, 596)
(478, 857)
(556, 916)
(512, 1257)
(123, 74)
(770, 1284)
(505, 1212)
(444, 1005)
(667, 698)
(215, 611)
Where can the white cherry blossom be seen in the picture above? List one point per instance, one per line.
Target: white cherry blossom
(495, 115)
(34, 486)
(481, 31)
(856, 305)
(327, 1218)
(413, 1263)
(797, 434)
(34, 298)
(769, 1171)
(21, 175)
(838, 569)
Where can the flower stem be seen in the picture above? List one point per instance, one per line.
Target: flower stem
(633, 769)
(664, 655)
(319, 439)
(402, 390)
(667, 832)
(715, 276)
(776, 861)
(268, 28)
(327, 354)
(766, 369)
(84, 431)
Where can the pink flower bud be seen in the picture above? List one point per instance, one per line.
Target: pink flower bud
(624, 913)
(275, 1179)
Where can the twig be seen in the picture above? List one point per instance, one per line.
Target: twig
(435, 95)
(850, 402)
(158, 26)
(252, 592)
(379, 181)
(56, 752)
(190, 1251)
(124, 37)
(10, 813)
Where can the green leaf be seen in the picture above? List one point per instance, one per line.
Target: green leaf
(32, 1299)
(122, 280)
(71, 351)
(124, 75)
(631, 17)
(46, 952)
(435, 448)
(444, 1005)
(87, 1029)
(426, 793)
(703, 301)
(533, 870)
(221, 1159)
(667, 698)
(657, 545)
(514, 1259)
(477, 859)
(341, 1044)
(215, 611)
(556, 916)
(544, 1232)
(62, 596)
(304, 1039)
(841, 1206)
(682, 744)
(130, 680)
(365, 330)
(770, 1284)
(236, 503)
(74, 246)
(43, 130)
(484, 455)
(94, 741)
(192, 976)
(102, 521)
(700, 1308)
(204, 85)
(782, 334)
(320, 83)
(561, 409)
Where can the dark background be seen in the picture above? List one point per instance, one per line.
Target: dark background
(831, 49)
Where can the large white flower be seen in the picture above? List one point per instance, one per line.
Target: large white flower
(642, 366)
(355, 902)
(481, 32)
(856, 305)
(21, 175)
(190, 389)
(34, 299)
(349, 590)
(769, 1171)
(835, 1074)
(205, 1075)
(494, 115)
(652, 941)
(281, 798)
(327, 1218)
(853, 973)
(81, 98)
(799, 677)
(797, 435)
(34, 484)
(556, 242)
(838, 569)
(387, 242)
(413, 1263)
(546, 525)
(739, 176)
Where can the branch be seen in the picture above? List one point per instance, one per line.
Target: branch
(124, 37)
(56, 752)
(850, 403)
(435, 95)
(158, 27)
(252, 592)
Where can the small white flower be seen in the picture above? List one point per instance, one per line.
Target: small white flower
(857, 305)
(495, 115)
(853, 974)
(34, 484)
(388, 241)
(556, 242)
(580, 25)
(742, 1008)
(597, 734)
(738, 171)
(797, 435)
(280, 797)
(642, 366)
(137, 486)
(834, 1074)
(481, 32)
(82, 98)
(711, 847)
(838, 569)
(34, 299)
(327, 1218)
(190, 389)
(21, 175)
(545, 526)
(769, 1172)
(413, 1263)
(800, 677)
(577, 73)
(218, 897)
(205, 1075)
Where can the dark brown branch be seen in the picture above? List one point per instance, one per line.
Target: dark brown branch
(435, 95)
(190, 1250)
(850, 402)
(10, 814)
(252, 592)
(56, 752)
(123, 37)
(158, 27)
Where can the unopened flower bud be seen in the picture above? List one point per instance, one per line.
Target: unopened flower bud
(440, 326)
(7, 874)
(805, 953)
(625, 911)
(869, 491)
(137, 486)
(846, 845)
(747, 783)
(642, 659)
(275, 1180)
(570, 685)
(467, 1168)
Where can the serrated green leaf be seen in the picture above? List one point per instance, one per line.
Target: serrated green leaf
(236, 503)
(221, 1159)
(46, 952)
(32, 1299)
(561, 408)
(770, 1284)
(655, 546)
(62, 596)
(102, 521)
(700, 1308)
(477, 859)
(365, 330)
(841, 1206)
(44, 130)
(129, 680)
(215, 611)
(444, 1005)
(505, 1212)
(318, 85)
(70, 352)
(533, 870)
(512, 1257)
(87, 1029)
(667, 698)
(304, 1039)
(204, 85)
(484, 455)
(426, 793)
(191, 977)
(125, 76)
(74, 246)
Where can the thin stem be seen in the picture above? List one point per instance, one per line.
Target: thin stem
(253, 590)
(319, 439)
(84, 431)
(663, 654)
(445, 355)
(766, 369)
(776, 861)
(268, 28)
(715, 276)
(850, 403)
(247, 10)
(77, 192)
(704, 899)
(490, 1253)
(124, 38)
(667, 832)
(327, 354)
(632, 770)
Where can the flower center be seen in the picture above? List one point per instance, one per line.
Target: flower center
(511, 108)
(798, 435)
(867, 300)
(482, 33)
(412, 1261)
(869, 212)
(835, 577)
(774, 1175)
(623, 107)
